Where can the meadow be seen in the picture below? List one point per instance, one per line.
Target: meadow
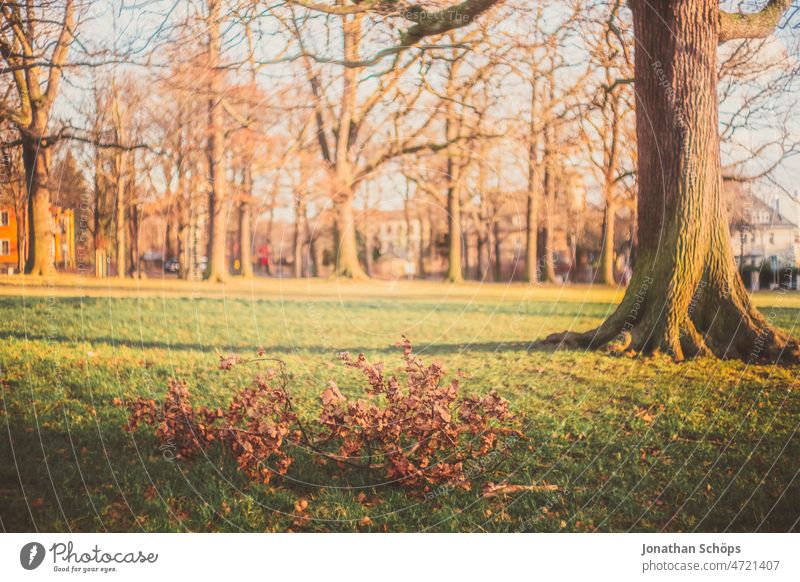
(641, 444)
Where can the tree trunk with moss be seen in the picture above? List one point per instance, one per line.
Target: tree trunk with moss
(607, 251)
(532, 210)
(347, 263)
(246, 226)
(218, 206)
(245, 239)
(36, 159)
(121, 221)
(550, 187)
(454, 234)
(686, 297)
(454, 269)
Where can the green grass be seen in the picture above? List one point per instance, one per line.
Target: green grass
(631, 444)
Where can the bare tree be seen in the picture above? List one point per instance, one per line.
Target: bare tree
(686, 297)
(35, 39)
(608, 129)
(218, 203)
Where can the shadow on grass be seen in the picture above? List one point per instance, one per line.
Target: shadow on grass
(99, 478)
(421, 348)
(81, 481)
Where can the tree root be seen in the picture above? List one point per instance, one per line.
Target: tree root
(756, 342)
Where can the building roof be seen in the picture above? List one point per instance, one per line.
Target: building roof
(749, 209)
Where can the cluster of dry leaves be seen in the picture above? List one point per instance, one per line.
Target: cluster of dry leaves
(254, 427)
(418, 433)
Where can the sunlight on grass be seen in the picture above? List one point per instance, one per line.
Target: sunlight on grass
(627, 443)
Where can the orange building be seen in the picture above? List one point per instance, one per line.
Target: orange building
(62, 227)
(9, 247)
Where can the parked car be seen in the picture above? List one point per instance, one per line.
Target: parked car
(172, 265)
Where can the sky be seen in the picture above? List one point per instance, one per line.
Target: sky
(142, 28)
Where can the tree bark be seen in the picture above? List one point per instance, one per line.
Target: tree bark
(29, 64)
(483, 255)
(299, 235)
(685, 297)
(135, 268)
(368, 250)
(246, 239)
(607, 251)
(433, 236)
(217, 203)
(120, 219)
(183, 219)
(455, 272)
(347, 263)
(421, 271)
(466, 257)
(532, 210)
(498, 252)
(246, 226)
(549, 273)
(313, 255)
(36, 159)
(100, 240)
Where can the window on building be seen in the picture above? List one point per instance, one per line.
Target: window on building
(771, 238)
(5, 247)
(4, 218)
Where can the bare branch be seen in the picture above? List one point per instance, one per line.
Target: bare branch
(754, 24)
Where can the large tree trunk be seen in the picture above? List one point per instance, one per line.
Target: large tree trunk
(100, 240)
(532, 210)
(369, 249)
(184, 220)
(549, 271)
(347, 263)
(135, 220)
(169, 237)
(421, 271)
(455, 272)
(465, 246)
(313, 256)
(181, 248)
(198, 224)
(483, 255)
(120, 218)
(607, 251)
(246, 239)
(299, 235)
(497, 243)
(433, 239)
(134, 254)
(686, 297)
(246, 225)
(36, 159)
(217, 204)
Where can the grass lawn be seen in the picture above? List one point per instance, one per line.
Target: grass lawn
(630, 444)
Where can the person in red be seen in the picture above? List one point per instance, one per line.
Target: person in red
(263, 257)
